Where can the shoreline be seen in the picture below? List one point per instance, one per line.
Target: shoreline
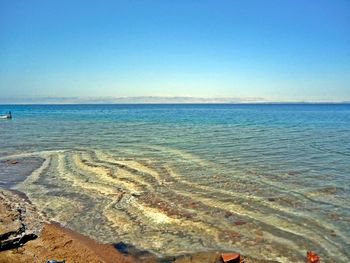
(21, 241)
(50, 240)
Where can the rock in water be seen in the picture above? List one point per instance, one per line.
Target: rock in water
(19, 220)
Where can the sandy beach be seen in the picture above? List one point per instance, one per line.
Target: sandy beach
(27, 236)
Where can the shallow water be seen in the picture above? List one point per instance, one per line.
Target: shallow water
(271, 181)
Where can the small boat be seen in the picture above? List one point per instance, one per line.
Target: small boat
(6, 116)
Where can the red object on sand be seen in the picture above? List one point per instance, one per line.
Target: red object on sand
(312, 257)
(231, 257)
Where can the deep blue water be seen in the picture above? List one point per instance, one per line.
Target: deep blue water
(297, 155)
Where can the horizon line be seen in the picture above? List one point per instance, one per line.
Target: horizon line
(155, 100)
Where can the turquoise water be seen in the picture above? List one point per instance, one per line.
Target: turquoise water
(271, 181)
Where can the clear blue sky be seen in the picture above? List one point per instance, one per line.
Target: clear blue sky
(278, 50)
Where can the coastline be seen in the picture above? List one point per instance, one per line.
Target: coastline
(28, 236)
(31, 237)
(57, 242)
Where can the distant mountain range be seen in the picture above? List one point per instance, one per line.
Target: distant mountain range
(144, 99)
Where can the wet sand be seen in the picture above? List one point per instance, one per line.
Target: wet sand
(56, 242)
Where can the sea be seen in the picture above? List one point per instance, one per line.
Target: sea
(271, 181)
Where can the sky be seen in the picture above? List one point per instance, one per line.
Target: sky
(276, 50)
